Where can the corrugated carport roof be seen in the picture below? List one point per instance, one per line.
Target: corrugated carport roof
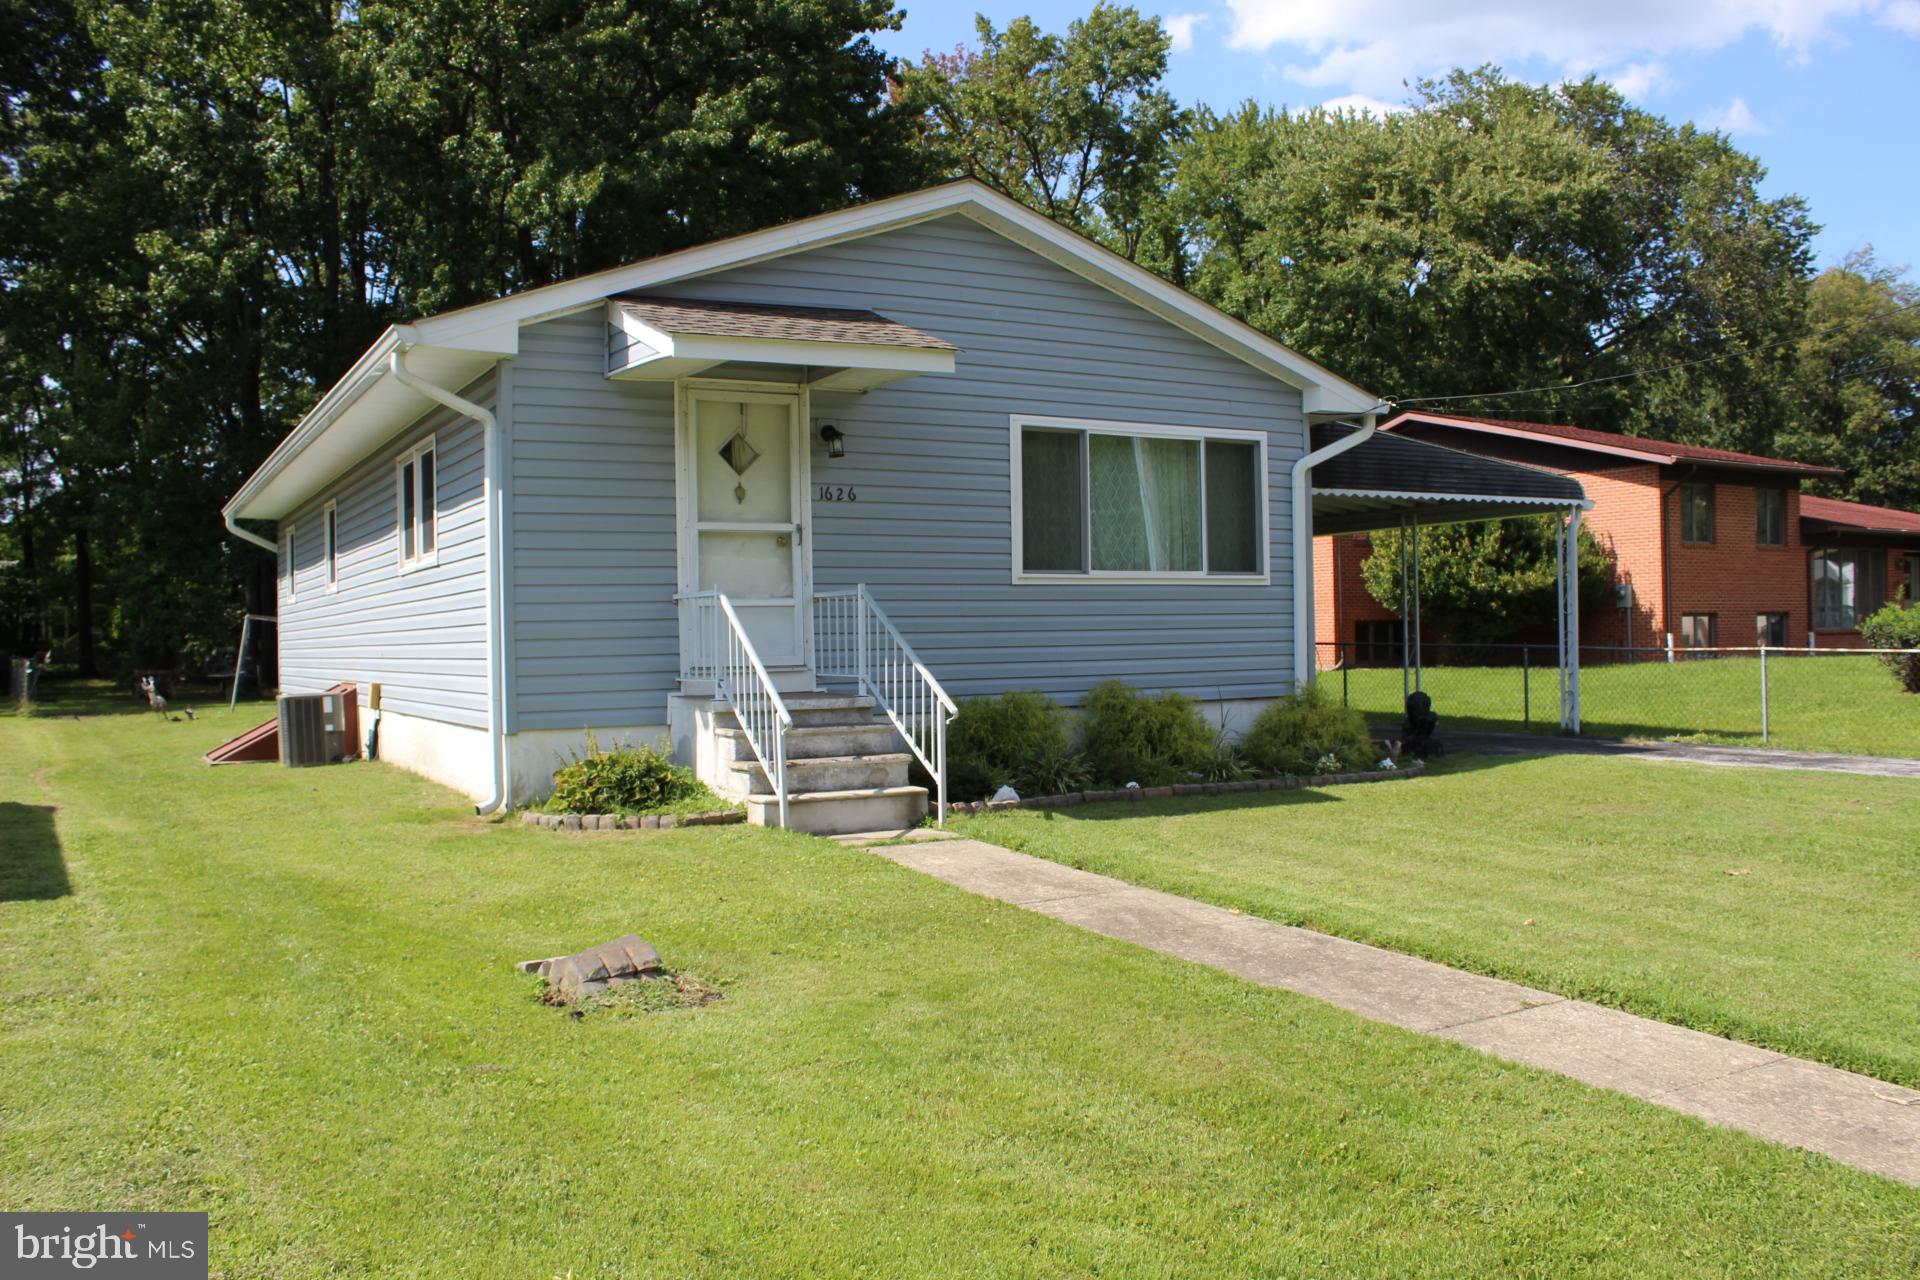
(1390, 478)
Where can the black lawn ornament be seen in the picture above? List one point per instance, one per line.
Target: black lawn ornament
(1416, 735)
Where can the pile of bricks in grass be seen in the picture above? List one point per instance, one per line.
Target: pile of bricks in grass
(1412, 769)
(631, 821)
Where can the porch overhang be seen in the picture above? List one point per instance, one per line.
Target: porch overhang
(652, 339)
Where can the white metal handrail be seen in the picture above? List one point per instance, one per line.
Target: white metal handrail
(853, 638)
(725, 655)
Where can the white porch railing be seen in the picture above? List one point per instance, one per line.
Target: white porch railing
(715, 647)
(852, 638)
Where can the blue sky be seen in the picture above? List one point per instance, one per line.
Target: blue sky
(1819, 90)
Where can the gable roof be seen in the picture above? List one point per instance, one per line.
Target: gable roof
(365, 408)
(1834, 515)
(1664, 453)
(765, 320)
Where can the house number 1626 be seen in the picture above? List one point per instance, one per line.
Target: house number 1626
(837, 493)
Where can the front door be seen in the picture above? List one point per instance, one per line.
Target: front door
(744, 534)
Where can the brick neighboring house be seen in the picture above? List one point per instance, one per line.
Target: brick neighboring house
(1712, 546)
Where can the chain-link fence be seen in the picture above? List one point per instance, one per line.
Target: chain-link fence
(1847, 700)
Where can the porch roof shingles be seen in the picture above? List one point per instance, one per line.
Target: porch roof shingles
(786, 323)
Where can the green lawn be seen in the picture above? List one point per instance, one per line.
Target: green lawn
(1825, 702)
(1606, 879)
(285, 997)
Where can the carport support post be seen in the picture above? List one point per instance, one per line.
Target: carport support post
(1406, 613)
(1417, 642)
(1573, 608)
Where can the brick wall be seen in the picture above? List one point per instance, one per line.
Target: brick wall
(1735, 578)
(1626, 520)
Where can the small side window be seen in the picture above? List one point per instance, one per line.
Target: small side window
(414, 506)
(330, 534)
(293, 568)
(1696, 631)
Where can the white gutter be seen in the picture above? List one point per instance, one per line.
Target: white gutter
(490, 481)
(1303, 641)
(246, 536)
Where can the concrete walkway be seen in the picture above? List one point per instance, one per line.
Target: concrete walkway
(1856, 1120)
(1683, 753)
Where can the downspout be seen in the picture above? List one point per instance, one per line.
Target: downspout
(490, 472)
(1303, 638)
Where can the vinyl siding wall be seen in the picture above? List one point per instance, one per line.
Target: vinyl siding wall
(594, 637)
(420, 634)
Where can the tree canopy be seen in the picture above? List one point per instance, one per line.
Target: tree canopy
(209, 207)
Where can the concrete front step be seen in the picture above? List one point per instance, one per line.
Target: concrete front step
(808, 742)
(814, 709)
(827, 773)
(832, 813)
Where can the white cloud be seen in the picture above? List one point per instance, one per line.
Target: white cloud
(1735, 117)
(1902, 16)
(1180, 29)
(1638, 79)
(1373, 46)
(1361, 103)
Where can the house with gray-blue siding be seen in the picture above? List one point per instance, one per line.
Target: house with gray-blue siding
(784, 500)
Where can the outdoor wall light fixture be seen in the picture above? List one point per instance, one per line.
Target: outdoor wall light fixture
(835, 440)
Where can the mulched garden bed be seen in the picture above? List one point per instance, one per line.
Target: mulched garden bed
(1412, 769)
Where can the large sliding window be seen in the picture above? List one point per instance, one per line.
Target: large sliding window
(1104, 501)
(1848, 584)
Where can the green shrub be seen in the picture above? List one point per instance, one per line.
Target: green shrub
(627, 779)
(1054, 773)
(1896, 626)
(998, 742)
(1153, 740)
(1298, 732)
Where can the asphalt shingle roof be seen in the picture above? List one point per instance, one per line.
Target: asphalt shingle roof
(766, 320)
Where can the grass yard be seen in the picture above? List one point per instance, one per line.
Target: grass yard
(285, 997)
(1773, 907)
(1828, 702)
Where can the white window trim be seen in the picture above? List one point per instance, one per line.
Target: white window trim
(330, 546)
(293, 563)
(418, 561)
(1128, 577)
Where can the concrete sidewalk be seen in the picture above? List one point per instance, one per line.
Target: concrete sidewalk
(1467, 740)
(1854, 1119)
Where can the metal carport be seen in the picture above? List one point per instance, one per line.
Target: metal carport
(1395, 482)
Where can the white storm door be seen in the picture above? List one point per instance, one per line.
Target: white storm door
(747, 496)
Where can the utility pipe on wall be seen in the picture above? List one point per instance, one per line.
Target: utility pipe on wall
(490, 482)
(1303, 638)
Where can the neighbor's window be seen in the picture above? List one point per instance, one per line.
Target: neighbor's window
(292, 573)
(1848, 584)
(1770, 517)
(1696, 630)
(330, 549)
(1770, 629)
(416, 506)
(1106, 500)
(1378, 643)
(1696, 513)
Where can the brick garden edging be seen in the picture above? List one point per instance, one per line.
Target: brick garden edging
(631, 821)
(1411, 769)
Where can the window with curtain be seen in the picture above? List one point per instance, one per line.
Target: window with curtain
(1100, 501)
(1848, 584)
